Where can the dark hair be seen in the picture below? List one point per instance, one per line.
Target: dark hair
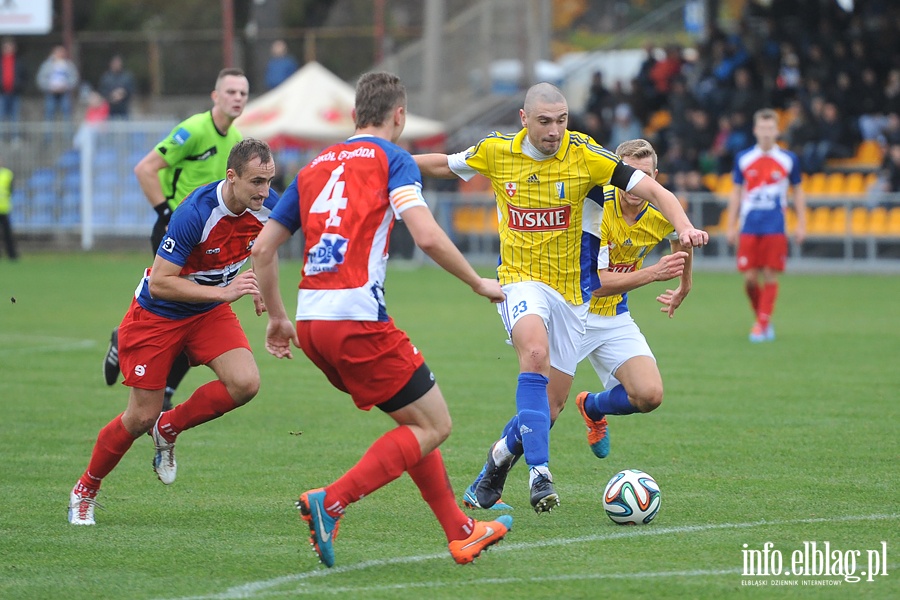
(229, 72)
(245, 151)
(377, 95)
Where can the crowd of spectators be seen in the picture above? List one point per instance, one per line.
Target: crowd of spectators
(833, 75)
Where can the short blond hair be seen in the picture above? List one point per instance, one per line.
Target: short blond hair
(638, 148)
(765, 114)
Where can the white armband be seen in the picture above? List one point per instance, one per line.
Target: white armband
(635, 177)
(457, 163)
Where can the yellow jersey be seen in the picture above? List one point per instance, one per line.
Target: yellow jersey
(623, 247)
(539, 206)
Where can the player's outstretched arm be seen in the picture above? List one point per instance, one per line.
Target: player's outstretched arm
(671, 209)
(280, 331)
(434, 165)
(667, 267)
(429, 236)
(672, 299)
(167, 284)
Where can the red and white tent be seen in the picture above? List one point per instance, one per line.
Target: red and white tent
(312, 108)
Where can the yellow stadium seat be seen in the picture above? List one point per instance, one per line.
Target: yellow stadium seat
(859, 220)
(724, 185)
(816, 184)
(721, 227)
(869, 152)
(869, 155)
(711, 180)
(854, 184)
(893, 222)
(491, 220)
(878, 221)
(871, 180)
(838, 224)
(819, 221)
(834, 184)
(465, 220)
(790, 220)
(658, 120)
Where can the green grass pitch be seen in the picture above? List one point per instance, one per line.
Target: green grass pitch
(789, 442)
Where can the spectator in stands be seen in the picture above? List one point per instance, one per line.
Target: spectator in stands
(746, 97)
(892, 92)
(871, 97)
(815, 65)
(625, 126)
(675, 159)
(591, 124)
(117, 85)
(57, 78)
(843, 95)
(789, 78)
(662, 73)
(739, 137)
(600, 99)
(835, 138)
(281, 64)
(801, 127)
(680, 104)
(643, 85)
(98, 109)
(889, 177)
(12, 81)
(733, 56)
(6, 183)
(890, 134)
(699, 140)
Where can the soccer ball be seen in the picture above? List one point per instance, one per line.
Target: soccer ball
(631, 498)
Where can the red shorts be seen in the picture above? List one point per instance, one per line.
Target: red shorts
(148, 343)
(370, 360)
(759, 251)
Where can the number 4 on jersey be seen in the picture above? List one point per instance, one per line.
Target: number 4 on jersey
(331, 199)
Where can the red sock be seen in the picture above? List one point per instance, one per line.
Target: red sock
(752, 290)
(430, 476)
(208, 402)
(767, 303)
(113, 442)
(385, 460)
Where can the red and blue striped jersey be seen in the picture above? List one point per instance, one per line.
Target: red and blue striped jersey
(765, 177)
(209, 243)
(345, 202)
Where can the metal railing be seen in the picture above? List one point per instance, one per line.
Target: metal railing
(78, 182)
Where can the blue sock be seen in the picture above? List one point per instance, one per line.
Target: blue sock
(608, 402)
(534, 417)
(513, 439)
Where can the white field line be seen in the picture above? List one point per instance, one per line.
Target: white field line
(263, 589)
(12, 344)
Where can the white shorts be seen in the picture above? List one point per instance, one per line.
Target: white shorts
(563, 320)
(610, 341)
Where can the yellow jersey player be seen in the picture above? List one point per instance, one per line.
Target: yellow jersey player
(629, 228)
(540, 177)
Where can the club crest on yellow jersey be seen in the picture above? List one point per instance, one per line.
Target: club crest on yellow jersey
(510, 189)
